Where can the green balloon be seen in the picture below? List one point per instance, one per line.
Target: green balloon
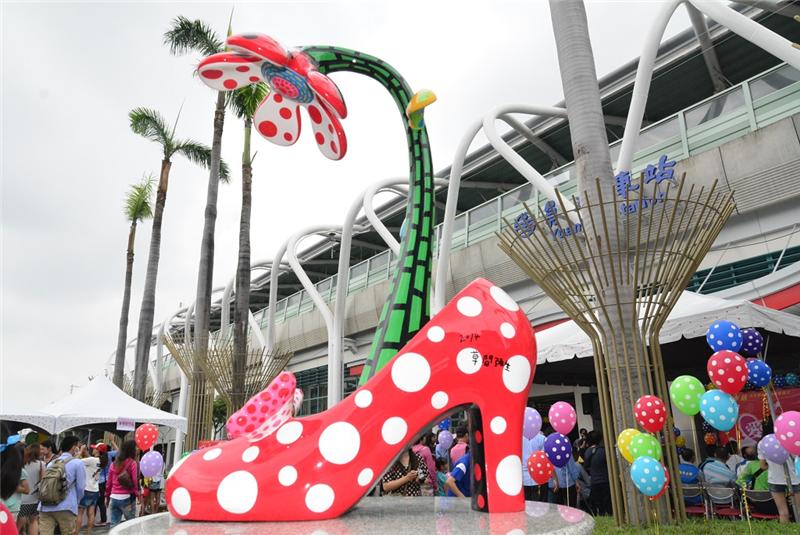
(645, 444)
(685, 392)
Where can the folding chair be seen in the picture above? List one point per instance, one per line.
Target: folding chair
(695, 491)
(761, 500)
(724, 502)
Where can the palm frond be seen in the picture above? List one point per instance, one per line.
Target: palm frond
(198, 153)
(245, 101)
(186, 35)
(137, 201)
(151, 124)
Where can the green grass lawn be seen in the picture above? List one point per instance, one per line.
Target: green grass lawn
(605, 524)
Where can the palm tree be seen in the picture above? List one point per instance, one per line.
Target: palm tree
(151, 125)
(137, 208)
(186, 36)
(244, 103)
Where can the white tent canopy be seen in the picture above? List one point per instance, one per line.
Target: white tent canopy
(690, 318)
(98, 402)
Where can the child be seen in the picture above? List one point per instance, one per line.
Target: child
(441, 475)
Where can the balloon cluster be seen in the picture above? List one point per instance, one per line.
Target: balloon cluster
(643, 450)
(557, 447)
(152, 462)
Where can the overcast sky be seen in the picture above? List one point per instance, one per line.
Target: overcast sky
(72, 71)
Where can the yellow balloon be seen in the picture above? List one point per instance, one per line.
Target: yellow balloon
(680, 442)
(624, 443)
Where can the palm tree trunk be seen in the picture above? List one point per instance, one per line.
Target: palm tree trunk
(147, 311)
(242, 304)
(122, 337)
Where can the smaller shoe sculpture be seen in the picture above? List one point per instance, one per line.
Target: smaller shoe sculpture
(479, 350)
(268, 410)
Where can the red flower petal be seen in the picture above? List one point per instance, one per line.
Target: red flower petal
(227, 71)
(261, 45)
(327, 91)
(278, 120)
(328, 131)
(300, 63)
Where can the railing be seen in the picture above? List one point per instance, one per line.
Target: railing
(737, 111)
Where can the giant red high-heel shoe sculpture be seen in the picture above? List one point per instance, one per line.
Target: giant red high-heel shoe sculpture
(479, 350)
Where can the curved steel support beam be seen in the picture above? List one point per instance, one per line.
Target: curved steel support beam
(227, 295)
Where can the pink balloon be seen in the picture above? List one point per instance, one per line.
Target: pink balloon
(562, 417)
(787, 430)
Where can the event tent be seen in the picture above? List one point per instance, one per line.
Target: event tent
(98, 402)
(690, 318)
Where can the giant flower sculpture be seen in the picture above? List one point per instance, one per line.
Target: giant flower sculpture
(293, 81)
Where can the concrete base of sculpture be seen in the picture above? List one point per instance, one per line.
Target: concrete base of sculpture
(388, 515)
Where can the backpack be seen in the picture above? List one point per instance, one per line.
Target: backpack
(53, 485)
(124, 477)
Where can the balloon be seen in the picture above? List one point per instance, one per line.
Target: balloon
(650, 413)
(444, 424)
(792, 379)
(645, 445)
(540, 468)
(753, 342)
(787, 430)
(685, 392)
(759, 373)
(779, 381)
(676, 431)
(446, 439)
(648, 475)
(719, 409)
(680, 442)
(663, 489)
(710, 439)
(532, 423)
(728, 371)
(562, 417)
(772, 450)
(151, 463)
(570, 514)
(624, 443)
(558, 449)
(707, 427)
(146, 436)
(724, 335)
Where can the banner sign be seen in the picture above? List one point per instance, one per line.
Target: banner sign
(753, 410)
(126, 424)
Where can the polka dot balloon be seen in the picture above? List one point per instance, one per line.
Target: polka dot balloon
(707, 427)
(562, 417)
(792, 379)
(532, 423)
(151, 464)
(624, 443)
(648, 475)
(779, 381)
(650, 413)
(759, 373)
(752, 342)
(146, 436)
(724, 334)
(787, 429)
(719, 409)
(680, 441)
(772, 450)
(645, 445)
(685, 392)
(558, 449)
(710, 439)
(540, 468)
(728, 371)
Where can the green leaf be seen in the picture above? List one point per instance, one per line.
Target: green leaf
(199, 153)
(138, 200)
(151, 125)
(244, 102)
(192, 36)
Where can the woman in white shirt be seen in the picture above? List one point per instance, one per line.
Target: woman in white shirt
(776, 478)
(91, 463)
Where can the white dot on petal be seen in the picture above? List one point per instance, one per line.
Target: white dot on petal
(507, 330)
(469, 306)
(517, 374)
(319, 498)
(509, 475)
(289, 432)
(410, 372)
(212, 454)
(365, 477)
(181, 501)
(339, 443)
(469, 360)
(498, 425)
(237, 492)
(435, 334)
(394, 430)
(363, 398)
(249, 455)
(287, 475)
(503, 299)
(439, 400)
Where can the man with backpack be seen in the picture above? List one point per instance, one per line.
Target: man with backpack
(61, 489)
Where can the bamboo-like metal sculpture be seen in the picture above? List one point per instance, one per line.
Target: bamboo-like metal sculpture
(150, 397)
(623, 262)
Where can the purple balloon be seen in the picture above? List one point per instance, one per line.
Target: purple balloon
(752, 342)
(772, 450)
(151, 464)
(446, 439)
(558, 449)
(532, 423)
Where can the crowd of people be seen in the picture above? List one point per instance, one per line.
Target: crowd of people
(46, 489)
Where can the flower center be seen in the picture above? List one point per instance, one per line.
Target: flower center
(288, 83)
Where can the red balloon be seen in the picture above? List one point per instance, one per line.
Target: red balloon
(728, 371)
(663, 489)
(650, 413)
(540, 468)
(146, 436)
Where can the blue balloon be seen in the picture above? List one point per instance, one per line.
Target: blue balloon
(797, 465)
(779, 381)
(558, 449)
(724, 334)
(759, 373)
(444, 424)
(719, 409)
(752, 342)
(648, 475)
